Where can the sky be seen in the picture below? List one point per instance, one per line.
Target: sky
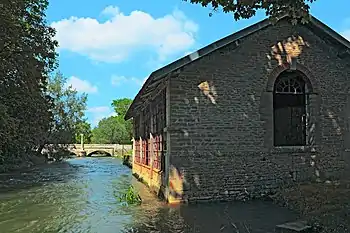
(108, 48)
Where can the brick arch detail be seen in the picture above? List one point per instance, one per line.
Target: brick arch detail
(299, 67)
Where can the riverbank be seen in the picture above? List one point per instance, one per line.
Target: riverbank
(127, 160)
(77, 195)
(24, 162)
(82, 195)
(324, 204)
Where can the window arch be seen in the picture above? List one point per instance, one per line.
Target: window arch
(290, 108)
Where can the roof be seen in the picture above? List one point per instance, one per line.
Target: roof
(157, 76)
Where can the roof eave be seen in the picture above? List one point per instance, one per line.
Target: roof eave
(162, 72)
(340, 39)
(176, 65)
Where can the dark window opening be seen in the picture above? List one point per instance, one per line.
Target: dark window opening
(152, 120)
(137, 129)
(289, 110)
(159, 123)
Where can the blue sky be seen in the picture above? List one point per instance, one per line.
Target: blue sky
(107, 48)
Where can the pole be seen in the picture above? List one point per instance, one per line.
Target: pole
(82, 141)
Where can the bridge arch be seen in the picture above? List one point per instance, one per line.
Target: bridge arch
(73, 153)
(105, 152)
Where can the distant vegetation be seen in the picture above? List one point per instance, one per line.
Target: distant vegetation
(114, 129)
(84, 128)
(68, 111)
(38, 112)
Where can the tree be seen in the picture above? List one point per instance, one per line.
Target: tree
(244, 9)
(109, 131)
(114, 129)
(121, 106)
(85, 129)
(68, 111)
(27, 54)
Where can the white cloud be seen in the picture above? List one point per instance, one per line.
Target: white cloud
(81, 85)
(111, 11)
(100, 109)
(119, 80)
(121, 35)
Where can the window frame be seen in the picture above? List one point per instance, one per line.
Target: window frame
(300, 88)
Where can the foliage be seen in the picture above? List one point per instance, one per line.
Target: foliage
(36, 112)
(114, 129)
(109, 131)
(84, 128)
(27, 54)
(244, 9)
(56, 152)
(121, 106)
(130, 197)
(68, 110)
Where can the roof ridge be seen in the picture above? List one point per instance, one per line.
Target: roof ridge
(183, 61)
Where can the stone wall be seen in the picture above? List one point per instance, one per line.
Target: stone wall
(112, 149)
(150, 176)
(221, 115)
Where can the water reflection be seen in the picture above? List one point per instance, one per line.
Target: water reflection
(70, 197)
(80, 196)
(256, 216)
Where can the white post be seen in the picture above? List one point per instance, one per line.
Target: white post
(82, 141)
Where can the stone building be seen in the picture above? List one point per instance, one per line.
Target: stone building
(261, 107)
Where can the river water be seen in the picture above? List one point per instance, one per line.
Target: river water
(81, 195)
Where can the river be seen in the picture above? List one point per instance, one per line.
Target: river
(81, 195)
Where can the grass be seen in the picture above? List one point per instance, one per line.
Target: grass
(322, 204)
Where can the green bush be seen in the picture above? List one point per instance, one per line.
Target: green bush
(130, 197)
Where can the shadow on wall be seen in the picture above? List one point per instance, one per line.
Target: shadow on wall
(207, 98)
(187, 167)
(180, 182)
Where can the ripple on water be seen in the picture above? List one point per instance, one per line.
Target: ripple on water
(82, 196)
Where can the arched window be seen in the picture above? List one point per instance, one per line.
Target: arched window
(290, 107)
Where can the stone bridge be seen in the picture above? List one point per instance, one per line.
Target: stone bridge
(89, 149)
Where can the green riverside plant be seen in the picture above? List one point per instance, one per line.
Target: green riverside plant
(130, 197)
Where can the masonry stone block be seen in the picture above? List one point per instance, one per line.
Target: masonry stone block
(225, 147)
